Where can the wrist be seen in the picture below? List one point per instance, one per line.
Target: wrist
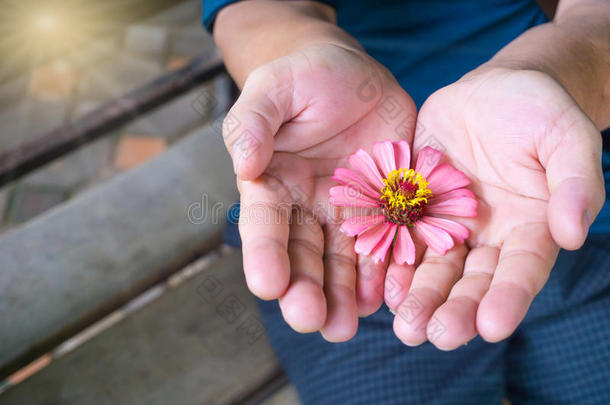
(252, 33)
(571, 52)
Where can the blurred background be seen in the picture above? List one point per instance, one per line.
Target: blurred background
(115, 285)
(62, 59)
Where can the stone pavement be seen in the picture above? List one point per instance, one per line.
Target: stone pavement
(62, 90)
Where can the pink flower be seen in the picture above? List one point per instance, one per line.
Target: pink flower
(402, 199)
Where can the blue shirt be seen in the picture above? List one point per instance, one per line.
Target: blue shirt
(428, 44)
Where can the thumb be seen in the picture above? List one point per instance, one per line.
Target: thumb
(263, 106)
(575, 179)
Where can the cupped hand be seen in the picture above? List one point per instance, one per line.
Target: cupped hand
(296, 120)
(534, 159)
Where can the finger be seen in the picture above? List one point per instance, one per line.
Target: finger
(369, 284)
(399, 277)
(249, 127)
(263, 226)
(304, 305)
(456, 319)
(526, 259)
(339, 285)
(431, 285)
(575, 178)
(397, 282)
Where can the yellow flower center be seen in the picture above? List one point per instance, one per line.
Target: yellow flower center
(404, 196)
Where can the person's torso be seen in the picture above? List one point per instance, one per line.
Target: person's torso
(428, 44)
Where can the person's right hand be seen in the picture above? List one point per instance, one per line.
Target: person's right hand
(296, 120)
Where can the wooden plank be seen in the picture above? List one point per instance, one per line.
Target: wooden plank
(201, 342)
(78, 262)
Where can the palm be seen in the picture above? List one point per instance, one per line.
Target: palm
(492, 139)
(322, 104)
(501, 128)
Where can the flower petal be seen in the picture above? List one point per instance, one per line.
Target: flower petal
(345, 196)
(384, 154)
(436, 238)
(449, 195)
(461, 207)
(356, 225)
(402, 153)
(446, 178)
(350, 178)
(404, 248)
(380, 251)
(427, 159)
(455, 229)
(370, 238)
(364, 164)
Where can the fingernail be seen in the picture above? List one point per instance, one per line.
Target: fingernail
(586, 221)
(236, 159)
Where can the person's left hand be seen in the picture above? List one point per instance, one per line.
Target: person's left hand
(534, 159)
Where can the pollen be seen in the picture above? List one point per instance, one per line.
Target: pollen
(404, 196)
